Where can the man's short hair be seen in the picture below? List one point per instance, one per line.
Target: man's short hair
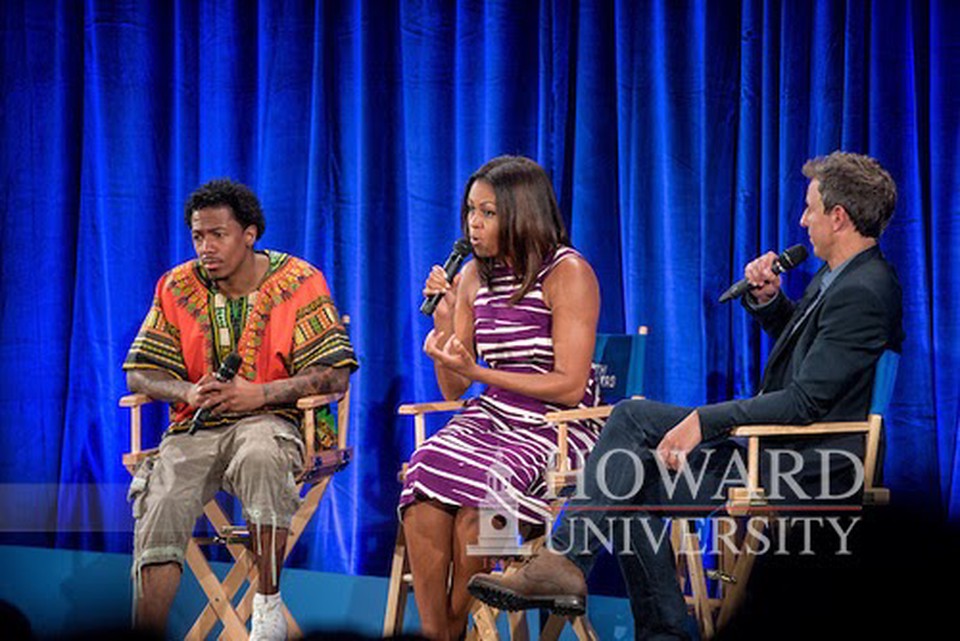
(225, 192)
(858, 184)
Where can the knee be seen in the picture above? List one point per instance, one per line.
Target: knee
(621, 416)
(173, 511)
(258, 461)
(631, 420)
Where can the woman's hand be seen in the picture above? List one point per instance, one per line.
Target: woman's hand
(436, 283)
(449, 352)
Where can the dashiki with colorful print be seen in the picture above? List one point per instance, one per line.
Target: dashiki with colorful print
(287, 324)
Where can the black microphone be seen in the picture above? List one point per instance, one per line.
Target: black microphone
(461, 249)
(789, 259)
(228, 369)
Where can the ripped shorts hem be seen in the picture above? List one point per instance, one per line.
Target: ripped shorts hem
(156, 556)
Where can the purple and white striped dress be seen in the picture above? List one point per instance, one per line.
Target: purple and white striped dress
(498, 446)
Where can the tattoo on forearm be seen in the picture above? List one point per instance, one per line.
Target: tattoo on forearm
(318, 379)
(158, 386)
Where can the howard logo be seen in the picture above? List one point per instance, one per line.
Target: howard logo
(499, 534)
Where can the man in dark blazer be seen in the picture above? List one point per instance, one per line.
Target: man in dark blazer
(821, 369)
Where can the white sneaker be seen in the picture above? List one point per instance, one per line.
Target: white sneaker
(268, 621)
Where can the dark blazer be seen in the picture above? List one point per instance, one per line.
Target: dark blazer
(821, 367)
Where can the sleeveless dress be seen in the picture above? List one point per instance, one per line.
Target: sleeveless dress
(498, 446)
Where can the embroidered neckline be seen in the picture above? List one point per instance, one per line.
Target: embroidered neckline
(195, 292)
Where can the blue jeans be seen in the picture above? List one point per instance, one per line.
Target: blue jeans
(625, 507)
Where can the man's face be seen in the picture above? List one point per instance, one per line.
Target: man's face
(219, 240)
(819, 224)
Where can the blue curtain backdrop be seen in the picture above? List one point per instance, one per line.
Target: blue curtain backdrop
(674, 133)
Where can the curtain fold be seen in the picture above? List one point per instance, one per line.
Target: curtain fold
(674, 134)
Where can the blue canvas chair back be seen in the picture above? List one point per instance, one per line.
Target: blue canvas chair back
(620, 360)
(883, 379)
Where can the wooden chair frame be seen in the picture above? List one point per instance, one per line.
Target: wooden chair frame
(746, 503)
(712, 613)
(558, 479)
(484, 616)
(319, 467)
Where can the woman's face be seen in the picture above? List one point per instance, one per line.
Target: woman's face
(482, 221)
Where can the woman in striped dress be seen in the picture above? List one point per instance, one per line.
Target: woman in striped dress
(527, 305)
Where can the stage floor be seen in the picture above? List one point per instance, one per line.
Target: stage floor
(66, 592)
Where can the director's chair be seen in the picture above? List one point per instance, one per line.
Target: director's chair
(735, 565)
(319, 466)
(620, 369)
(732, 574)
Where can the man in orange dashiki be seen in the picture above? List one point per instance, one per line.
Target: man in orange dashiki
(276, 313)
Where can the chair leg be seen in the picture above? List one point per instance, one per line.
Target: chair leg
(485, 622)
(519, 630)
(398, 589)
(238, 574)
(550, 631)
(305, 512)
(582, 628)
(742, 568)
(293, 628)
(297, 526)
(698, 583)
(243, 570)
(233, 628)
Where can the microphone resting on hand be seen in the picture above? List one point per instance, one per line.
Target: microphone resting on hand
(228, 369)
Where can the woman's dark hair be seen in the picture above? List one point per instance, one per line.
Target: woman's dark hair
(529, 219)
(224, 192)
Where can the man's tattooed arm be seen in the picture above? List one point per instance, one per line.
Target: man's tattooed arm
(318, 379)
(158, 385)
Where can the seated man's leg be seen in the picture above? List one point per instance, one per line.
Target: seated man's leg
(613, 480)
(618, 473)
(168, 494)
(649, 573)
(648, 569)
(626, 482)
(265, 456)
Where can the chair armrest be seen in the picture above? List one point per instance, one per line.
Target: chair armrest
(306, 405)
(753, 494)
(417, 411)
(132, 459)
(412, 409)
(557, 481)
(579, 414)
(318, 400)
(814, 429)
(557, 477)
(134, 400)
